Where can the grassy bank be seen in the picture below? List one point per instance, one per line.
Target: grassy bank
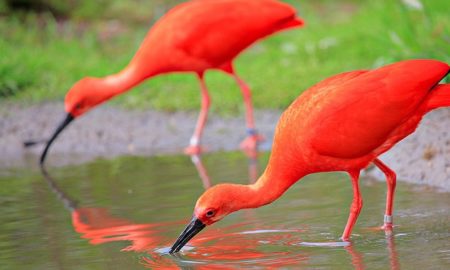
(41, 57)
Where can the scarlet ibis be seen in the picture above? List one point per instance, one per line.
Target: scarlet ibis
(192, 37)
(341, 124)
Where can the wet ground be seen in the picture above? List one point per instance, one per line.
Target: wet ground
(124, 213)
(108, 132)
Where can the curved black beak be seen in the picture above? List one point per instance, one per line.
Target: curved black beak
(60, 128)
(194, 227)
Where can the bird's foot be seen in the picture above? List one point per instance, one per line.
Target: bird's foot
(193, 150)
(387, 227)
(345, 239)
(251, 142)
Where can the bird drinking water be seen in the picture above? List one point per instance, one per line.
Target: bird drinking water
(343, 123)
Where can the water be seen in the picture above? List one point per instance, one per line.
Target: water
(126, 213)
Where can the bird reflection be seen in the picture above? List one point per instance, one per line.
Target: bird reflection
(253, 165)
(356, 257)
(253, 168)
(202, 172)
(99, 226)
(393, 255)
(236, 245)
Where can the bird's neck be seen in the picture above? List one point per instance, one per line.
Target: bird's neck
(269, 187)
(123, 81)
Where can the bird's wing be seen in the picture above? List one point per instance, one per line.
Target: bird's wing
(216, 31)
(358, 115)
(313, 99)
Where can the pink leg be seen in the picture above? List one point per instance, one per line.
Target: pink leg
(391, 182)
(251, 142)
(355, 207)
(194, 145)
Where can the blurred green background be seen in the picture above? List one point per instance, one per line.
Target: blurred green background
(47, 45)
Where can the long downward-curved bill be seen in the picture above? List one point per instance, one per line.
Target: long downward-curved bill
(60, 128)
(194, 227)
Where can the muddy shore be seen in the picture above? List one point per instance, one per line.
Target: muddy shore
(107, 132)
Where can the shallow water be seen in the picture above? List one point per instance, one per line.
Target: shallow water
(126, 213)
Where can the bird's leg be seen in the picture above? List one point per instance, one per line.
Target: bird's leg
(391, 182)
(194, 145)
(355, 208)
(251, 142)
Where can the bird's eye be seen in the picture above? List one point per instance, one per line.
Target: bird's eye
(210, 213)
(78, 106)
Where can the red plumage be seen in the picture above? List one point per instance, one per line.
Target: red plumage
(200, 35)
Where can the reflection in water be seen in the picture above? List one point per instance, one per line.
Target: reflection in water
(253, 168)
(393, 256)
(241, 245)
(99, 226)
(357, 259)
(253, 165)
(214, 249)
(202, 172)
(218, 249)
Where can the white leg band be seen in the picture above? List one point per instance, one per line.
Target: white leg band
(194, 141)
(387, 219)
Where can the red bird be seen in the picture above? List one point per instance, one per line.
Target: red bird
(341, 124)
(192, 37)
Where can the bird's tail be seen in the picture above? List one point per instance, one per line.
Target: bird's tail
(295, 22)
(439, 97)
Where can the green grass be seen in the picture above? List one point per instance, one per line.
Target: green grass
(41, 58)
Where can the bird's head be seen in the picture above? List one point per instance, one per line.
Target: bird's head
(85, 95)
(215, 203)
